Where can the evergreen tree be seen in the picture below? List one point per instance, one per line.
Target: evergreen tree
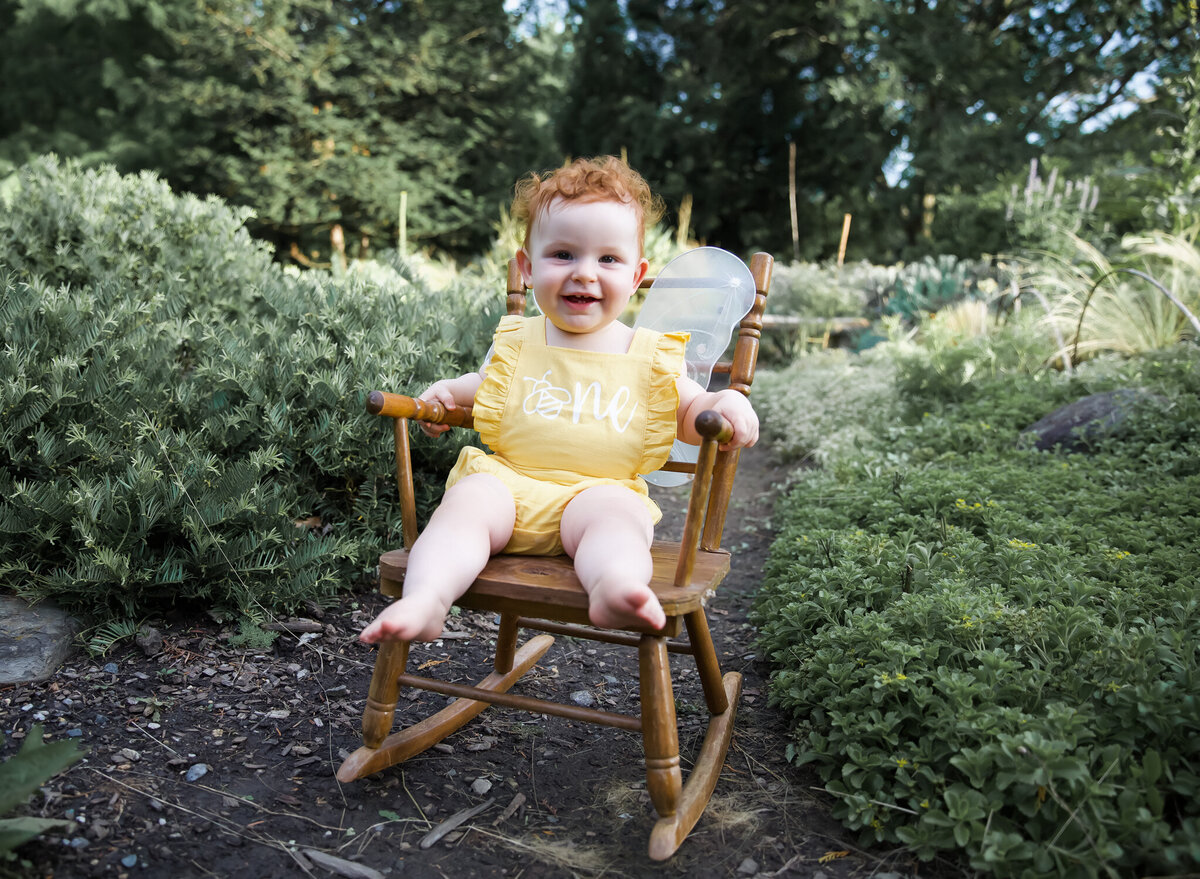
(316, 114)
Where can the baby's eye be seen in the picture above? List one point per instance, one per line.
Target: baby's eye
(608, 259)
(562, 254)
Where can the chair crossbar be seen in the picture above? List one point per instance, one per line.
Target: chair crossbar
(607, 636)
(525, 703)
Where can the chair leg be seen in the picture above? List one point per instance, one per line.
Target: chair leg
(721, 693)
(706, 661)
(660, 734)
(506, 643)
(381, 698)
(670, 832)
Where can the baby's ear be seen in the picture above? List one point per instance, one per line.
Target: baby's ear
(525, 265)
(640, 274)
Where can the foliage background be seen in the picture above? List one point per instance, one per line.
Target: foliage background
(918, 119)
(181, 418)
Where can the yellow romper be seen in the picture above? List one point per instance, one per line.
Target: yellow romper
(559, 421)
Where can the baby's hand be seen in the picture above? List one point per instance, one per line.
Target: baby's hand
(736, 409)
(438, 392)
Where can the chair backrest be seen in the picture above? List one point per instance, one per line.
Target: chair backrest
(741, 376)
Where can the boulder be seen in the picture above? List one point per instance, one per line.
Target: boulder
(1077, 426)
(34, 640)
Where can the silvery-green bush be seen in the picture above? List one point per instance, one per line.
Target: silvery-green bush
(172, 402)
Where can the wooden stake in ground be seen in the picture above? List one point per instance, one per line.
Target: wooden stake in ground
(792, 201)
(845, 238)
(403, 232)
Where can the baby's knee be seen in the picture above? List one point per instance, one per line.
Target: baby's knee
(612, 510)
(479, 498)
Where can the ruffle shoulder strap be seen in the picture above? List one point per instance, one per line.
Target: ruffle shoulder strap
(490, 398)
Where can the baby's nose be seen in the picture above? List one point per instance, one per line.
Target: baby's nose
(585, 269)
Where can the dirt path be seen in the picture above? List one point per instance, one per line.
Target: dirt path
(208, 760)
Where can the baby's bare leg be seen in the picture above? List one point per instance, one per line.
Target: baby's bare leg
(473, 522)
(607, 531)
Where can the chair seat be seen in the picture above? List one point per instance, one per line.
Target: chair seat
(545, 587)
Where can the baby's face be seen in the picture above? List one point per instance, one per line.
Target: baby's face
(583, 262)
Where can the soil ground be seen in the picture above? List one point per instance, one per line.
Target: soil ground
(204, 759)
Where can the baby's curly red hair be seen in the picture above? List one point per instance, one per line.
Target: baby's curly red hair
(604, 178)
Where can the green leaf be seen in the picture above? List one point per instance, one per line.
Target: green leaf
(36, 762)
(15, 831)
(1152, 766)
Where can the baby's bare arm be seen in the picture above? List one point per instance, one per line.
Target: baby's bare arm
(732, 405)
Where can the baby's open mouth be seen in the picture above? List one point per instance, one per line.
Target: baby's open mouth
(580, 298)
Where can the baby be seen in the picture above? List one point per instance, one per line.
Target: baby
(573, 405)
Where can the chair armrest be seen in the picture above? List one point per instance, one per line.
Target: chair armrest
(711, 425)
(399, 406)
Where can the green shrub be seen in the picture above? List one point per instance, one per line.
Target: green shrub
(812, 290)
(959, 347)
(171, 402)
(933, 283)
(997, 651)
(1046, 213)
(826, 406)
(71, 226)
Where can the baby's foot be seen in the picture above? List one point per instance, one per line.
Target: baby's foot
(412, 618)
(613, 606)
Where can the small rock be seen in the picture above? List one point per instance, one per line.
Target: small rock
(583, 698)
(340, 866)
(748, 867)
(79, 842)
(129, 861)
(196, 772)
(481, 786)
(150, 640)
(111, 668)
(74, 733)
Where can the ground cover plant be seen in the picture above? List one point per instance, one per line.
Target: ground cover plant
(181, 419)
(20, 775)
(993, 650)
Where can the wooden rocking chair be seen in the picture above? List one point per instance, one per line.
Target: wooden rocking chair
(542, 593)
